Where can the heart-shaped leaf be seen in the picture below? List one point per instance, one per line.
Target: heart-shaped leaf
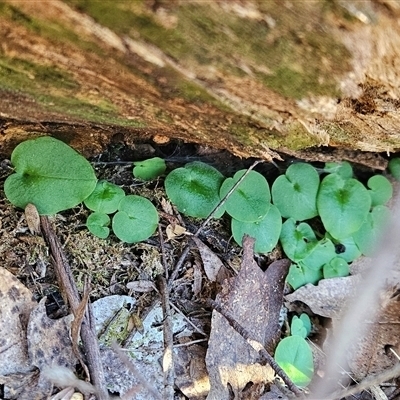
(300, 275)
(98, 223)
(251, 199)
(295, 239)
(293, 354)
(50, 175)
(104, 198)
(306, 322)
(381, 190)
(344, 169)
(149, 169)
(369, 236)
(343, 205)
(194, 189)
(295, 193)
(336, 268)
(136, 219)
(266, 231)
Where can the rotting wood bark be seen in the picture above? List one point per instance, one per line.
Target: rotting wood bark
(254, 78)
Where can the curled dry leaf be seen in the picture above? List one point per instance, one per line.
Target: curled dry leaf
(175, 230)
(213, 266)
(141, 286)
(32, 219)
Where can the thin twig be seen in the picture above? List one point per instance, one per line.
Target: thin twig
(88, 335)
(185, 251)
(257, 346)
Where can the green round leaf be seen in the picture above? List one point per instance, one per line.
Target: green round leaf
(295, 193)
(295, 239)
(343, 205)
(381, 190)
(194, 189)
(369, 236)
(335, 268)
(300, 275)
(251, 199)
(136, 219)
(297, 328)
(344, 169)
(266, 231)
(98, 223)
(394, 168)
(104, 198)
(50, 175)
(149, 169)
(293, 354)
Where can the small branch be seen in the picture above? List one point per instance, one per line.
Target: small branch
(257, 346)
(67, 283)
(185, 251)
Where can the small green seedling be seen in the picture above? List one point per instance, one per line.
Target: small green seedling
(293, 354)
(299, 275)
(265, 231)
(295, 193)
(194, 189)
(394, 168)
(370, 233)
(251, 199)
(136, 220)
(98, 224)
(150, 169)
(335, 268)
(381, 190)
(343, 205)
(104, 198)
(50, 175)
(300, 245)
(343, 169)
(300, 326)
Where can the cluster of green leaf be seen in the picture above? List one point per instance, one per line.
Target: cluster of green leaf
(54, 177)
(294, 355)
(351, 214)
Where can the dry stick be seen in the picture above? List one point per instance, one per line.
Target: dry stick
(257, 346)
(88, 335)
(185, 251)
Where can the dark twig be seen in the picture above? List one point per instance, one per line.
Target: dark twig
(257, 346)
(88, 335)
(185, 251)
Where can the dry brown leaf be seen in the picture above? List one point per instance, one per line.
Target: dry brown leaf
(213, 266)
(254, 299)
(174, 230)
(190, 371)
